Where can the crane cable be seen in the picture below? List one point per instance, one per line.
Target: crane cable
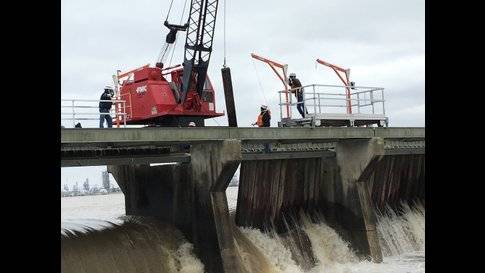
(181, 18)
(224, 65)
(163, 51)
(169, 9)
(166, 47)
(217, 122)
(259, 82)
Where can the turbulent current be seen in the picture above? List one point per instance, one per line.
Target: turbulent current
(96, 238)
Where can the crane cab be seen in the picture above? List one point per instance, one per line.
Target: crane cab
(153, 97)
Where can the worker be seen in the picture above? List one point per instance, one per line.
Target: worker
(186, 147)
(264, 120)
(298, 92)
(105, 107)
(264, 117)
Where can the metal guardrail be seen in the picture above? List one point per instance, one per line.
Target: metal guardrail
(323, 99)
(118, 115)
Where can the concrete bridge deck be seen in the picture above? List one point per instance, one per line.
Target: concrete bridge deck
(92, 147)
(140, 136)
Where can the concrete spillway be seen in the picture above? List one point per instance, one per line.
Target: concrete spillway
(273, 191)
(342, 174)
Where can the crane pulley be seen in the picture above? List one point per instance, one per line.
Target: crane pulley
(172, 35)
(200, 28)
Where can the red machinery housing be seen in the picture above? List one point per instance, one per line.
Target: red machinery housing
(153, 97)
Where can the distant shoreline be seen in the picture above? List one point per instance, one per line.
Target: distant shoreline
(112, 193)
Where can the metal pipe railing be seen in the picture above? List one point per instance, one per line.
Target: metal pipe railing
(362, 100)
(362, 97)
(99, 113)
(84, 100)
(358, 103)
(314, 97)
(76, 116)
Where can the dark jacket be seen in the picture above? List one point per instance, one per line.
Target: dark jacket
(295, 83)
(105, 104)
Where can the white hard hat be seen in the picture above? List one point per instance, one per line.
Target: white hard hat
(108, 87)
(192, 124)
(292, 75)
(264, 106)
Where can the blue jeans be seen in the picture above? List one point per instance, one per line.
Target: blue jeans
(267, 147)
(108, 118)
(301, 106)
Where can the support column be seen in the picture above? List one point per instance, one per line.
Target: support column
(213, 166)
(192, 196)
(356, 160)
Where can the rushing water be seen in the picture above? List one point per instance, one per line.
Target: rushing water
(97, 238)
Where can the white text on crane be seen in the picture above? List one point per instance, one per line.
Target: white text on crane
(141, 89)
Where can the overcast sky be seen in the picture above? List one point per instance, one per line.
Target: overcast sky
(381, 41)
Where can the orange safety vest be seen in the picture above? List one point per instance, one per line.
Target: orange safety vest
(259, 122)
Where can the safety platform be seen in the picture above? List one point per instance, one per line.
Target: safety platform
(333, 105)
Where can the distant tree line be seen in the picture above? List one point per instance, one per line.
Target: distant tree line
(87, 189)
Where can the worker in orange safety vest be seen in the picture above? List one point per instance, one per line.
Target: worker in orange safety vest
(264, 117)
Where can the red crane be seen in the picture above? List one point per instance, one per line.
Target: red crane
(177, 95)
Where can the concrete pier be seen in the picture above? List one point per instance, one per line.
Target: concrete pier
(190, 196)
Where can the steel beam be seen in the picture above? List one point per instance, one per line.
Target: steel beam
(405, 151)
(123, 160)
(285, 155)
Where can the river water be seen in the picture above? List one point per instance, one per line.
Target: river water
(98, 236)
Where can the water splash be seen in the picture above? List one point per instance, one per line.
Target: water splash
(134, 246)
(273, 248)
(72, 227)
(401, 235)
(402, 230)
(251, 257)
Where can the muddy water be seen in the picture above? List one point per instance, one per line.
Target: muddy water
(96, 239)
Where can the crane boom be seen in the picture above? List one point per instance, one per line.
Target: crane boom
(283, 77)
(345, 81)
(198, 44)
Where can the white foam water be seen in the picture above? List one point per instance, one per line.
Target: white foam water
(273, 249)
(188, 262)
(135, 245)
(404, 233)
(401, 238)
(401, 235)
